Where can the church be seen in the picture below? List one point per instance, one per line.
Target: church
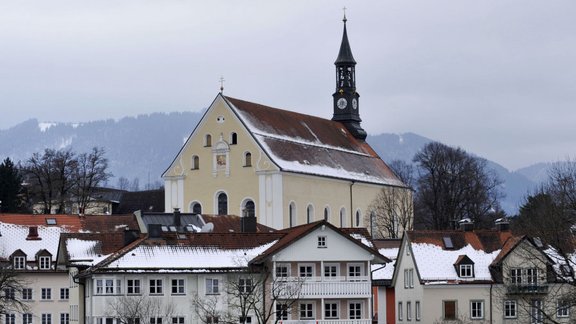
(283, 167)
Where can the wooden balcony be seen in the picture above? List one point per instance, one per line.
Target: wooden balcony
(521, 289)
(321, 287)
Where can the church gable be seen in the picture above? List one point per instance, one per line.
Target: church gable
(218, 140)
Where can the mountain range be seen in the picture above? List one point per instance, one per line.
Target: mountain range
(143, 147)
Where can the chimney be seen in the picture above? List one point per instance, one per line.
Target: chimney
(154, 230)
(466, 225)
(502, 225)
(248, 223)
(177, 222)
(33, 234)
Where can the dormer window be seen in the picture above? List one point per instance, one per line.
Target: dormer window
(464, 267)
(19, 262)
(44, 262)
(466, 271)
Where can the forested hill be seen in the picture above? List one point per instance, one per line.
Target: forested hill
(142, 147)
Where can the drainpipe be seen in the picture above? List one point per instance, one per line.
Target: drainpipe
(491, 285)
(351, 206)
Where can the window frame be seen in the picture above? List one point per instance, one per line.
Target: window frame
(46, 318)
(417, 310)
(44, 262)
(9, 318)
(19, 263)
(156, 287)
(46, 294)
(322, 242)
(409, 310)
(466, 270)
(64, 318)
(455, 308)
(282, 311)
(212, 286)
(133, 286)
(306, 266)
(285, 266)
(562, 309)
(332, 309)
(510, 308)
(309, 310)
(477, 309)
(27, 292)
(27, 318)
(400, 311)
(356, 311)
(65, 293)
(178, 284)
(245, 285)
(331, 271)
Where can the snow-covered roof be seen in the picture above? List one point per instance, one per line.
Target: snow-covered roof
(84, 252)
(311, 145)
(176, 257)
(387, 272)
(14, 237)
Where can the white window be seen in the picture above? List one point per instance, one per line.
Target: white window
(563, 309)
(282, 311)
(26, 318)
(516, 276)
(331, 310)
(331, 270)
(64, 293)
(19, 262)
(306, 310)
(355, 310)
(108, 286)
(44, 262)
(306, 270)
(408, 311)
(27, 293)
(133, 286)
(155, 287)
(466, 270)
(64, 318)
(400, 311)
(355, 271)
(155, 320)
(510, 309)
(476, 309)
(46, 318)
(212, 286)
(417, 311)
(245, 285)
(46, 293)
(10, 293)
(178, 320)
(531, 276)
(177, 286)
(408, 278)
(282, 270)
(322, 241)
(10, 318)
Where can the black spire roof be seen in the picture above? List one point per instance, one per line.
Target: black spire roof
(345, 54)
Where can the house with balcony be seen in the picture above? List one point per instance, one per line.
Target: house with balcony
(480, 276)
(313, 273)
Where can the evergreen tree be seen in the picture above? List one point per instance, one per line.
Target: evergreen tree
(10, 187)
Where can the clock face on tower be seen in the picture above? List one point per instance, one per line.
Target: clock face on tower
(341, 103)
(354, 103)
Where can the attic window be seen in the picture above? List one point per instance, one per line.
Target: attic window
(44, 262)
(466, 271)
(322, 242)
(19, 262)
(448, 242)
(50, 221)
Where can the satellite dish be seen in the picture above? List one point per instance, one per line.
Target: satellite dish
(207, 228)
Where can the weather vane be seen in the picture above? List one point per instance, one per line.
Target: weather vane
(222, 84)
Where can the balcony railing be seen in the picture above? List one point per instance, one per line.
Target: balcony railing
(344, 321)
(518, 289)
(320, 287)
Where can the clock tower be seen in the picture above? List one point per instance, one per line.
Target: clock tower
(346, 99)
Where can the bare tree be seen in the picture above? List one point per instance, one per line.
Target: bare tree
(10, 291)
(123, 183)
(251, 294)
(138, 309)
(391, 213)
(91, 172)
(453, 185)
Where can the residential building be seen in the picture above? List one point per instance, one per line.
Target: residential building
(245, 158)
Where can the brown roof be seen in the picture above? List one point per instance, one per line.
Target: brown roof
(291, 138)
(231, 223)
(75, 223)
(146, 201)
(485, 240)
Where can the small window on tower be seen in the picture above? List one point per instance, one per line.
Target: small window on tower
(208, 140)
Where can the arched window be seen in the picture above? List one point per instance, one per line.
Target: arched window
(248, 159)
(249, 209)
(309, 214)
(358, 218)
(233, 138)
(208, 140)
(222, 204)
(195, 162)
(326, 213)
(292, 214)
(196, 208)
(342, 217)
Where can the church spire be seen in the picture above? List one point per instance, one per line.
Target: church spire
(346, 105)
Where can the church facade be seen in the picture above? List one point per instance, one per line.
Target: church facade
(283, 167)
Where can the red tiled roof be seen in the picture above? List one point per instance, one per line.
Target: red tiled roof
(74, 223)
(485, 240)
(231, 223)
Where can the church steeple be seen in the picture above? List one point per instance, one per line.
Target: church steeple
(346, 99)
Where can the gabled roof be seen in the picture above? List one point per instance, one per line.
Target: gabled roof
(435, 261)
(311, 145)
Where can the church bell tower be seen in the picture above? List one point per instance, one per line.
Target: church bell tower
(346, 99)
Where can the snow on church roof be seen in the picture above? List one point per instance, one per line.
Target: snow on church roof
(312, 145)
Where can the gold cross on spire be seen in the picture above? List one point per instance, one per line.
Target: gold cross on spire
(222, 84)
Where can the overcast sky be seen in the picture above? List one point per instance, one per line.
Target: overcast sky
(495, 77)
